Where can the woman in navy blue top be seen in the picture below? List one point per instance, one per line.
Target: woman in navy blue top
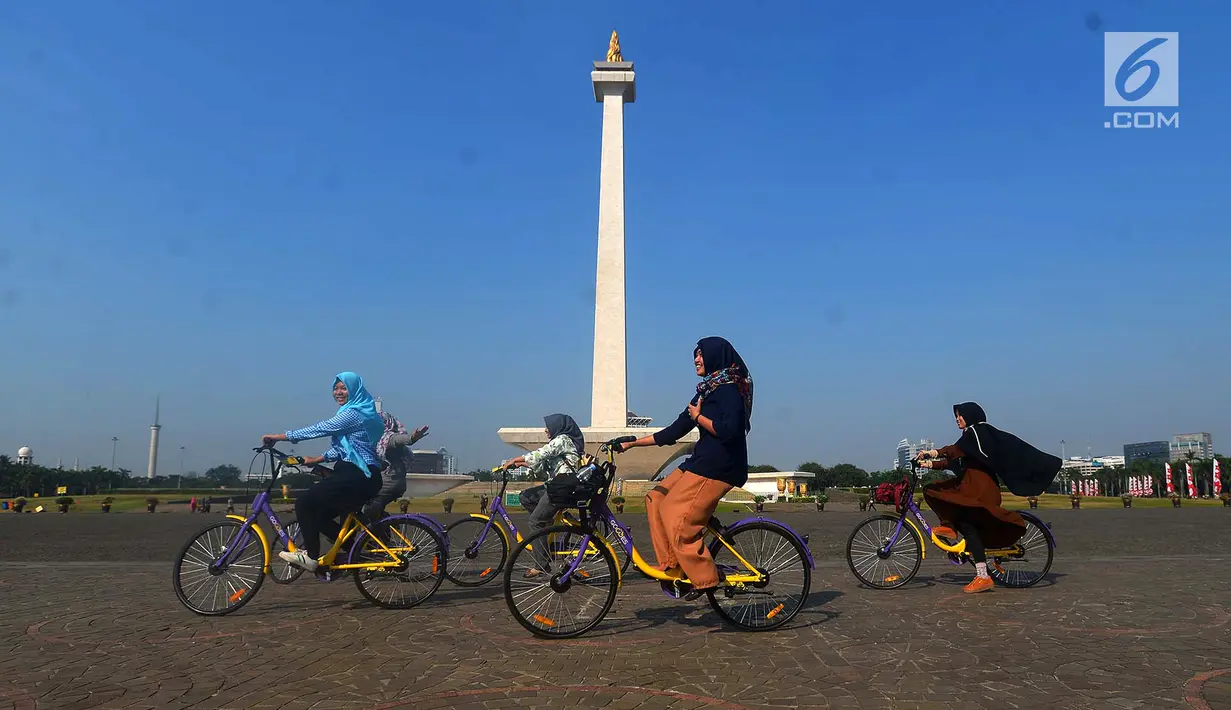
(680, 506)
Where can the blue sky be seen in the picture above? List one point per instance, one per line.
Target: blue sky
(886, 208)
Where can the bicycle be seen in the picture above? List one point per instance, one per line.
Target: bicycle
(877, 539)
(483, 544)
(221, 568)
(283, 572)
(584, 560)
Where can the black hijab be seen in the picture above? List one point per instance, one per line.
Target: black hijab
(558, 424)
(1023, 469)
(724, 366)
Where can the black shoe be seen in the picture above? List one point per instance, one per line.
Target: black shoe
(698, 593)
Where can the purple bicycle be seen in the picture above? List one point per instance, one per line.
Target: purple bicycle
(885, 551)
(398, 561)
(479, 545)
(566, 587)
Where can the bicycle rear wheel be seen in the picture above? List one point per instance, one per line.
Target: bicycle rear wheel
(549, 606)
(419, 552)
(1031, 561)
(473, 563)
(281, 571)
(218, 570)
(874, 561)
(775, 552)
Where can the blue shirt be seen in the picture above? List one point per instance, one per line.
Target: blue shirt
(348, 423)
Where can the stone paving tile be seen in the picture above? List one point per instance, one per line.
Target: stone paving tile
(1106, 631)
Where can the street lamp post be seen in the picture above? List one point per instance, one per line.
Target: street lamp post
(114, 440)
(181, 463)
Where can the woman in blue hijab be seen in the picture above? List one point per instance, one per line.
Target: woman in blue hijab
(353, 433)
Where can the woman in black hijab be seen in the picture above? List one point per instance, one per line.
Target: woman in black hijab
(561, 454)
(971, 502)
(680, 506)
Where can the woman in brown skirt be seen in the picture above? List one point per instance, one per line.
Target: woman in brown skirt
(970, 503)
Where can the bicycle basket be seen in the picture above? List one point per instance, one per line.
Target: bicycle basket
(890, 493)
(567, 490)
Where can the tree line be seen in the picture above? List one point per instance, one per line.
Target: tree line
(28, 479)
(1113, 480)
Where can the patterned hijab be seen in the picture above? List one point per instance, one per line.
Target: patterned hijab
(724, 366)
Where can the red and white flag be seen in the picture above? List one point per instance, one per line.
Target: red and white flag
(1133, 489)
(1192, 488)
(1217, 478)
(1074, 487)
(1170, 485)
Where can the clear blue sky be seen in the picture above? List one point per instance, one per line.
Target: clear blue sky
(887, 208)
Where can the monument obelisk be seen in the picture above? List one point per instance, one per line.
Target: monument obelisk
(614, 86)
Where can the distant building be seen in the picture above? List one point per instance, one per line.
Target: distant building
(428, 461)
(634, 420)
(25, 456)
(1088, 466)
(1157, 451)
(1201, 445)
(908, 451)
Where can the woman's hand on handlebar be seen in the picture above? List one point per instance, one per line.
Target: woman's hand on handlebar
(622, 446)
(269, 439)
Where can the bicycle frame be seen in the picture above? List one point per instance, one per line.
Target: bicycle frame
(350, 527)
(599, 510)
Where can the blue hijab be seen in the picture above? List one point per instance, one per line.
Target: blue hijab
(360, 400)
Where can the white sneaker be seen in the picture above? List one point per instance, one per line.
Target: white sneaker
(299, 558)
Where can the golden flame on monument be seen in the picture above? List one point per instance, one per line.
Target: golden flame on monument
(613, 48)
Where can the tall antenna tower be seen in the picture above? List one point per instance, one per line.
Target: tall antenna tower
(154, 429)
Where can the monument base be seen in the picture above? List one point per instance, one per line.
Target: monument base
(642, 462)
(426, 485)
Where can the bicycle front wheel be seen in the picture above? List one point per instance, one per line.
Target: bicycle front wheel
(477, 552)
(418, 554)
(219, 569)
(779, 556)
(880, 561)
(281, 571)
(543, 600)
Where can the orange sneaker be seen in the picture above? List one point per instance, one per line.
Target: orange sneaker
(979, 584)
(945, 533)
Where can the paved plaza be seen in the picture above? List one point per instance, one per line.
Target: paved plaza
(1135, 614)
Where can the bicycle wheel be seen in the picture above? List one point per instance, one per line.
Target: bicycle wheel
(547, 605)
(776, 553)
(474, 562)
(1030, 561)
(876, 563)
(419, 552)
(213, 589)
(282, 572)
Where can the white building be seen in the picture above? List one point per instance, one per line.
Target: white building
(766, 483)
(25, 456)
(1088, 466)
(908, 451)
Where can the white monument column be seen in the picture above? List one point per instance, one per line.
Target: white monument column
(614, 86)
(152, 469)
